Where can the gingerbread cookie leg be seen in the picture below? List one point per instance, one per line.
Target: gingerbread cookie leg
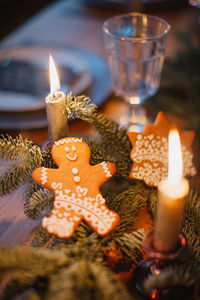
(63, 221)
(100, 218)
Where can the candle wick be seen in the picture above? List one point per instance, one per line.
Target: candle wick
(53, 95)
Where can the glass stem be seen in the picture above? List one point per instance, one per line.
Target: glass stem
(137, 118)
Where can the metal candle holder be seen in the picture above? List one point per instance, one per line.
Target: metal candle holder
(153, 264)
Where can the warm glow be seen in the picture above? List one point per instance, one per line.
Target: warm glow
(54, 79)
(175, 164)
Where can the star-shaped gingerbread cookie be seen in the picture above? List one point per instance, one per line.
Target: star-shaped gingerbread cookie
(76, 188)
(150, 151)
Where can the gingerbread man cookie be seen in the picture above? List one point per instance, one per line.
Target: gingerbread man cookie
(150, 151)
(76, 188)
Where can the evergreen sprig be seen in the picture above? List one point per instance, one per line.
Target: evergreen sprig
(79, 107)
(172, 276)
(24, 157)
(128, 204)
(66, 271)
(40, 200)
(109, 130)
(41, 238)
(47, 160)
(86, 280)
(192, 212)
(130, 245)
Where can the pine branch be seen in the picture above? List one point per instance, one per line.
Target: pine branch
(192, 253)
(41, 238)
(25, 266)
(102, 151)
(79, 107)
(82, 232)
(31, 296)
(15, 176)
(109, 130)
(173, 276)
(11, 290)
(130, 245)
(152, 204)
(128, 204)
(99, 153)
(18, 149)
(115, 186)
(117, 139)
(25, 157)
(196, 149)
(90, 249)
(38, 201)
(47, 160)
(85, 280)
(192, 211)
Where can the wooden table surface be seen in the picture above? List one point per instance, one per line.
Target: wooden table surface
(79, 25)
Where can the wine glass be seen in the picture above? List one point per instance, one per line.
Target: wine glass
(135, 45)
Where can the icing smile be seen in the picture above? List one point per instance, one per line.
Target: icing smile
(72, 158)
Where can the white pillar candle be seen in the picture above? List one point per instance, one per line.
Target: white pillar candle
(56, 107)
(171, 199)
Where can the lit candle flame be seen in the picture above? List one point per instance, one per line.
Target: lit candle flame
(175, 163)
(54, 79)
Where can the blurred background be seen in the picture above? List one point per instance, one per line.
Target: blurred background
(14, 13)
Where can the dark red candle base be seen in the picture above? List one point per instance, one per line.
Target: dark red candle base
(155, 262)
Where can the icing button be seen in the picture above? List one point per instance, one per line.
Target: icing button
(74, 171)
(77, 179)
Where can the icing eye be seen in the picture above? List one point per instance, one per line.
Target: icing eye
(67, 149)
(74, 148)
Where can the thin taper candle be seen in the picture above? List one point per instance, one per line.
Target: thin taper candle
(56, 107)
(171, 199)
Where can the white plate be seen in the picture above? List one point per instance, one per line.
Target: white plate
(96, 84)
(24, 81)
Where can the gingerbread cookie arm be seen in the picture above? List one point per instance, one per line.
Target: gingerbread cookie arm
(105, 171)
(41, 176)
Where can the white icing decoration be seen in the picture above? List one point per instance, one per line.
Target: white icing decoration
(77, 179)
(75, 207)
(56, 186)
(67, 149)
(74, 148)
(66, 214)
(106, 169)
(72, 158)
(68, 140)
(81, 191)
(151, 153)
(74, 171)
(44, 175)
(60, 227)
